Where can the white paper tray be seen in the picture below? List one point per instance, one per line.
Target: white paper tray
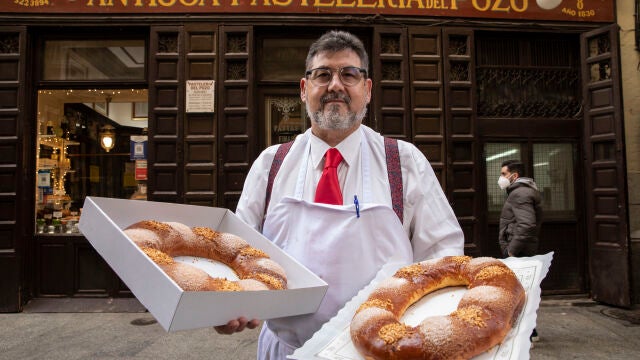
(333, 341)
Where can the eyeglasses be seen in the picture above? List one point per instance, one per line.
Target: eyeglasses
(349, 75)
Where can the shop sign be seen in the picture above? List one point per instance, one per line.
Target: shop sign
(200, 96)
(562, 10)
(138, 147)
(44, 178)
(141, 170)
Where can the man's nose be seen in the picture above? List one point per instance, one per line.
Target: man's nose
(335, 82)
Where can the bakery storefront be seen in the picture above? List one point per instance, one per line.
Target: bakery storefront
(172, 100)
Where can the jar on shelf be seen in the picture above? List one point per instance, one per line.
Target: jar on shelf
(40, 224)
(57, 226)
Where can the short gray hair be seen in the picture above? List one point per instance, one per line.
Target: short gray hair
(334, 41)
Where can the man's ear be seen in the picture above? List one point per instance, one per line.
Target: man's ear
(303, 89)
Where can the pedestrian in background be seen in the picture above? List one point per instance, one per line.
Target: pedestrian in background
(521, 214)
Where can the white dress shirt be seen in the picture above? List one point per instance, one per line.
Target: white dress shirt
(429, 221)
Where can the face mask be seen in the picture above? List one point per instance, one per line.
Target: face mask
(503, 182)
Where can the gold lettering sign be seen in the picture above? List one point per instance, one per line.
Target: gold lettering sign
(561, 10)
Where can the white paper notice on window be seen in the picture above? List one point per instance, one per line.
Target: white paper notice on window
(200, 96)
(333, 341)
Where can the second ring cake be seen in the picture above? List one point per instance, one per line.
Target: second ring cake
(484, 316)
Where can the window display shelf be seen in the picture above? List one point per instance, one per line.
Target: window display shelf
(52, 202)
(55, 142)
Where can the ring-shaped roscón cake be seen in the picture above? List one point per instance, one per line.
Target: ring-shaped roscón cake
(162, 241)
(484, 316)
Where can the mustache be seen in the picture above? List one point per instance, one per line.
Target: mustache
(335, 96)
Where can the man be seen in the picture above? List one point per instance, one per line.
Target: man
(344, 237)
(522, 212)
(521, 215)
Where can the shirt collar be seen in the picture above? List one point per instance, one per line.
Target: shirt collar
(348, 148)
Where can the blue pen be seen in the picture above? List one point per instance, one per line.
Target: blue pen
(357, 204)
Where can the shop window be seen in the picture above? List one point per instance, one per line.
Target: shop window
(282, 59)
(552, 168)
(281, 65)
(285, 117)
(81, 60)
(90, 143)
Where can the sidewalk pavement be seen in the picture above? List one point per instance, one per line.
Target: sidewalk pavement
(569, 328)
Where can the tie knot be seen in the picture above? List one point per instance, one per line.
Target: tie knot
(333, 158)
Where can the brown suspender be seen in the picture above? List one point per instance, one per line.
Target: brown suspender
(282, 151)
(395, 175)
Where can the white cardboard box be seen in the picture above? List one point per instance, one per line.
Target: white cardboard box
(102, 222)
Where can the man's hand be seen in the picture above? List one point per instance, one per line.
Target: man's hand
(237, 325)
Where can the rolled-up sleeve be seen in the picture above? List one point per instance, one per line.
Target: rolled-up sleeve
(250, 207)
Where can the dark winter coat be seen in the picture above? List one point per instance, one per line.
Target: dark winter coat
(520, 219)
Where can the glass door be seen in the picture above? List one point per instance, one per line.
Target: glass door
(554, 168)
(89, 130)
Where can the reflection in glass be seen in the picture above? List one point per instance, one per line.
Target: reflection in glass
(283, 59)
(285, 118)
(553, 172)
(600, 71)
(599, 45)
(94, 60)
(495, 154)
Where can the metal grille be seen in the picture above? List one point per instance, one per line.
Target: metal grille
(458, 45)
(527, 93)
(528, 76)
(459, 71)
(236, 43)
(391, 71)
(237, 70)
(9, 44)
(390, 44)
(167, 43)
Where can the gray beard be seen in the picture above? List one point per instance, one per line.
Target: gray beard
(335, 121)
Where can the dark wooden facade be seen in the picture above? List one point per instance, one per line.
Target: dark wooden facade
(424, 92)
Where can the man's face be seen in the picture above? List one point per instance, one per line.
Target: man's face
(505, 172)
(512, 176)
(335, 105)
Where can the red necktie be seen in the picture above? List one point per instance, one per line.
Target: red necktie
(328, 190)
